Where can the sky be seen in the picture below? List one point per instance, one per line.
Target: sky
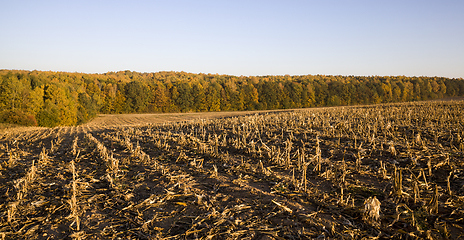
(236, 37)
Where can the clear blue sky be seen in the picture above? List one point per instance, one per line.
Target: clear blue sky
(249, 37)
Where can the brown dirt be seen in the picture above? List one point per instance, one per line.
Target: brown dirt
(146, 118)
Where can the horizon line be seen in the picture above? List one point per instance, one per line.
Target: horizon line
(225, 74)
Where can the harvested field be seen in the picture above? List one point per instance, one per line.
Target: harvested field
(118, 120)
(377, 172)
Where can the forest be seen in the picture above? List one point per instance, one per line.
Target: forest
(47, 98)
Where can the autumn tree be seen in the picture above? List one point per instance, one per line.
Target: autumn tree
(60, 98)
(13, 91)
(59, 107)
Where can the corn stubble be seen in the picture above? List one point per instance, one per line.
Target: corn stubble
(392, 171)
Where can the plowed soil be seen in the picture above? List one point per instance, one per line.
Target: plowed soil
(377, 172)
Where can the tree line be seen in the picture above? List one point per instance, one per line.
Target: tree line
(47, 98)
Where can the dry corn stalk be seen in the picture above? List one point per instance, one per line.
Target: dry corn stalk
(371, 211)
(318, 156)
(341, 196)
(383, 170)
(73, 201)
(392, 150)
(283, 207)
(11, 160)
(74, 146)
(429, 166)
(343, 179)
(358, 161)
(418, 139)
(416, 191)
(12, 211)
(398, 179)
(448, 181)
(433, 204)
(24, 183)
(304, 180)
(398, 214)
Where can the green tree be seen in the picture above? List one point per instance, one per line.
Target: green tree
(442, 89)
(213, 97)
(251, 97)
(199, 97)
(120, 104)
(87, 108)
(184, 100)
(136, 94)
(334, 100)
(308, 96)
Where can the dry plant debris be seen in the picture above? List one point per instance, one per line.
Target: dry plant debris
(392, 171)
